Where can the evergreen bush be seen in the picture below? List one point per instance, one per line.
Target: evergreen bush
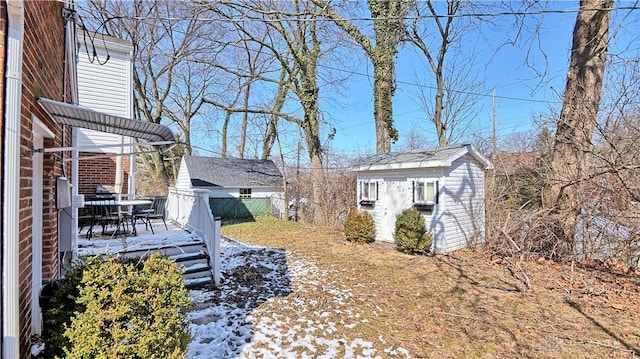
(359, 227)
(60, 309)
(131, 311)
(411, 234)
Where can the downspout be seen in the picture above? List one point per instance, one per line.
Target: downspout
(70, 76)
(132, 149)
(11, 188)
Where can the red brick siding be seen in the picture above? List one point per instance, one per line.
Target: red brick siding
(43, 61)
(99, 171)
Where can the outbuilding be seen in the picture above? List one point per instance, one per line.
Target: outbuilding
(237, 187)
(446, 184)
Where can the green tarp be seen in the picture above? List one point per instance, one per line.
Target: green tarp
(237, 208)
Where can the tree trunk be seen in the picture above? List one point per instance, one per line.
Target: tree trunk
(272, 128)
(382, 104)
(245, 121)
(441, 131)
(225, 130)
(571, 162)
(388, 29)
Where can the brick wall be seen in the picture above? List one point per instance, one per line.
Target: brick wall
(99, 171)
(43, 56)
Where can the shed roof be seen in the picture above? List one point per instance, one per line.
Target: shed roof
(232, 172)
(420, 158)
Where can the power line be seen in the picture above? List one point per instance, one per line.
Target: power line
(446, 89)
(365, 18)
(368, 76)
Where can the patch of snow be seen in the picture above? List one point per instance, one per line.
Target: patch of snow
(234, 320)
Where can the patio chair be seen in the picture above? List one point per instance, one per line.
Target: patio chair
(154, 211)
(85, 218)
(108, 214)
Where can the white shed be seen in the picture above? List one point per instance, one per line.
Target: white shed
(229, 178)
(445, 184)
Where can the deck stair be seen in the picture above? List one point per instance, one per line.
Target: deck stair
(192, 258)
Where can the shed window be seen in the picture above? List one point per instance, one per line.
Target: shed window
(369, 190)
(245, 192)
(425, 191)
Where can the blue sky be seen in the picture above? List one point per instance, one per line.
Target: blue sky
(520, 93)
(528, 78)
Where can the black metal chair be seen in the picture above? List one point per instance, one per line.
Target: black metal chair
(108, 214)
(154, 211)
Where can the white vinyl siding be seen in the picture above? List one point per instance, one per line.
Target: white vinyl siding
(256, 192)
(104, 87)
(464, 215)
(184, 180)
(454, 195)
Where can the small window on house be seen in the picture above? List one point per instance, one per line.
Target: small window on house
(425, 192)
(368, 190)
(245, 192)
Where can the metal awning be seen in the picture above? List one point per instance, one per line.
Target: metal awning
(78, 116)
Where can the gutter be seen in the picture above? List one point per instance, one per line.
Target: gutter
(11, 188)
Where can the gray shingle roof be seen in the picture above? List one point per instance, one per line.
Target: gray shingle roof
(232, 172)
(420, 158)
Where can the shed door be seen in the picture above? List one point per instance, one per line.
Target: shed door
(395, 201)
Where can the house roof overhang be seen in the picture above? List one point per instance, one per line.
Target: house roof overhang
(77, 116)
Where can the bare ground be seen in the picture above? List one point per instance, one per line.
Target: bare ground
(465, 304)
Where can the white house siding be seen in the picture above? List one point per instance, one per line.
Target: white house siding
(377, 211)
(463, 217)
(268, 192)
(104, 87)
(395, 195)
(184, 180)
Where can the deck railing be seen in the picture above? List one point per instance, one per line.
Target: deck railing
(190, 209)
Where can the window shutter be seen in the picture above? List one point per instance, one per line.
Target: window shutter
(360, 189)
(377, 191)
(413, 191)
(437, 194)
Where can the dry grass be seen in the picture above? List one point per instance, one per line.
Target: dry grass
(464, 304)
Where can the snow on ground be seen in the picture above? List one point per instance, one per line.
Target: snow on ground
(143, 240)
(236, 320)
(239, 319)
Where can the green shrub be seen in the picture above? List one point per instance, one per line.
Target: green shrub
(359, 227)
(132, 311)
(411, 233)
(60, 309)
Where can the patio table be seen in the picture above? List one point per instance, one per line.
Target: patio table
(121, 203)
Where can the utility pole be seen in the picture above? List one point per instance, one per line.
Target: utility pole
(493, 118)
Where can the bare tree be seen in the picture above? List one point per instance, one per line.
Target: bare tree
(294, 40)
(455, 84)
(246, 64)
(413, 140)
(164, 36)
(381, 49)
(571, 164)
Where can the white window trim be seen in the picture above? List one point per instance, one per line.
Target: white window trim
(245, 195)
(367, 196)
(435, 187)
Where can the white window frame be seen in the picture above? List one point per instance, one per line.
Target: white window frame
(369, 190)
(425, 191)
(247, 193)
